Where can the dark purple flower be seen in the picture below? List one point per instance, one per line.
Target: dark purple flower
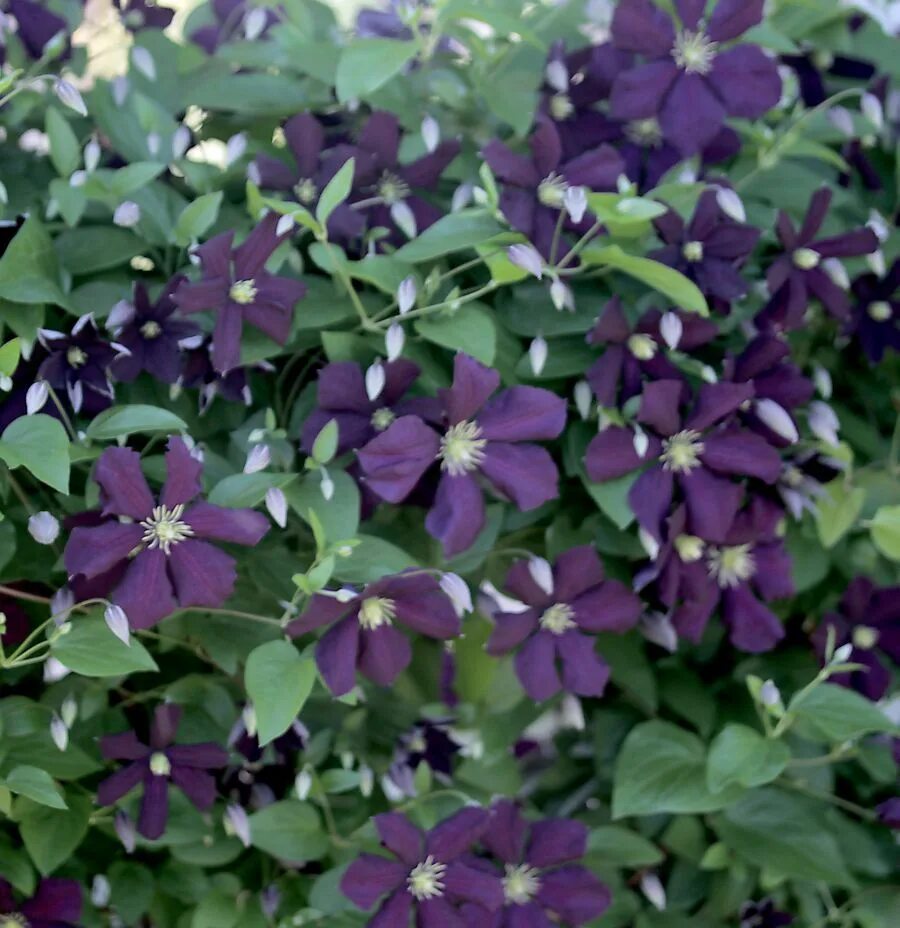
(55, 904)
(876, 312)
(143, 14)
(165, 541)
(238, 287)
(363, 635)
(811, 80)
(16, 624)
(888, 812)
(763, 914)
(198, 373)
(343, 397)
(429, 873)
(633, 355)
(153, 336)
(687, 82)
(77, 366)
(484, 435)
(36, 25)
(534, 188)
(542, 884)
(157, 764)
(229, 21)
(554, 653)
(868, 618)
(803, 478)
(699, 453)
(709, 249)
(797, 276)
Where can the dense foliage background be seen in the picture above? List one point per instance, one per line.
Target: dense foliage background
(449, 464)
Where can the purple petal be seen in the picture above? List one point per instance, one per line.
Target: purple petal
(154, 807)
(272, 320)
(422, 606)
(524, 473)
(773, 577)
(206, 756)
(518, 206)
(94, 550)
(692, 114)
(219, 523)
(754, 628)
(609, 607)
(612, 454)
(457, 834)
(164, 727)
(535, 664)
(124, 489)
(124, 746)
(471, 884)
(202, 295)
(546, 148)
(182, 475)
(523, 414)
(510, 630)
(473, 384)
(746, 80)
(306, 139)
(574, 894)
(394, 461)
(56, 901)
(650, 499)
(384, 653)
(555, 841)
(341, 386)
(641, 26)
(639, 92)
(202, 574)
(712, 503)
(197, 785)
(741, 452)
(717, 401)
(457, 516)
(732, 18)
(575, 571)
(598, 169)
(505, 834)
(114, 787)
(689, 12)
(251, 255)
(394, 911)
(584, 672)
(321, 610)
(848, 244)
(400, 836)
(659, 406)
(611, 325)
(426, 171)
(145, 592)
(370, 877)
(381, 136)
(336, 655)
(215, 256)
(510, 167)
(437, 913)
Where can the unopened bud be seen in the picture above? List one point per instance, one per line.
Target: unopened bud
(68, 95)
(431, 133)
(255, 23)
(100, 892)
(43, 528)
(235, 148)
(561, 296)
(258, 459)
(375, 380)
(59, 732)
(117, 622)
(68, 711)
(776, 418)
(458, 592)
(542, 573)
(127, 214)
(584, 398)
(653, 890)
(326, 486)
(143, 61)
(575, 201)
(731, 204)
(671, 328)
(405, 219)
(394, 340)
(236, 822)
(528, 258)
(276, 504)
(92, 154)
(36, 397)
(126, 831)
(537, 354)
(406, 295)
(303, 784)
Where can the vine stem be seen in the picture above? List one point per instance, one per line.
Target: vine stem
(445, 304)
(866, 814)
(21, 594)
(344, 277)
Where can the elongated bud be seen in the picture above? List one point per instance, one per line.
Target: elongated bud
(777, 418)
(406, 295)
(326, 486)
(576, 203)
(235, 148)
(731, 204)
(770, 694)
(841, 119)
(557, 75)
(270, 901)
(143, 61)
(366, 780)
(671, 328)
(537, 354)
(458, 592)
(54, 670)
(303, 784)
(462, 197)
(542, 573)
(68, 95)
(405, 219)
(181, 141)
(431, 133)
(276, 504)
(68, 711)
(284, 225)
(258, 459)
(394, 339)
(126, 831)
(648, 543)
(127, 214)
(872, 109)
(36, 397)
(876, 263)
(255, 23)
(584, 398)
(879, 225)
(561, 296)
(528, 258)
(836, 272)
(59, 732)
(117, 622)
(641, 441)
(91, 155)
(100, 892)
(653, 891)
(497, 601)
(236, 822)
(375, 380)
(61, 603)
(822, 380)
(823, 422)
(659, 629)
(120, 87)
(43, 528)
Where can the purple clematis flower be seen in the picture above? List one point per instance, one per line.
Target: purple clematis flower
(709, 249)
(55, 904)
(363, 635)
(699, 453)
(230, 18)
(16, 624)
(876, 312)
(811, 80)
(557, 612)
(763, 914)
(141, 14)
(153, 336)
(484, 434)
(237, 285)
(430, 876)
(534, 190)
(868, 618)
(798, 276)
(36, 25)
(77, 365)
(165, 542)
(542, 884)
(888, 812)
(688, 83)
(157, 764)
(343, 397)
(199, 374)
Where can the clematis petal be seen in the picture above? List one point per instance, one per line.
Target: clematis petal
(641, 26)
(506, 832)
(370, 877)
(93, 550)
(712, 503)
(422, 606)
(321, 610)
(457, 834)
(145, 592)
(226, 345)
(114, 787)
(612, 454)
(381, 136)
(306, 139)
(251, 255)
(457, 516)
(692, 114)
(164, 727)
(395, 910)
(394, 461)
(202, 295)
(584, 672)
(55, 902)
(535, 664)
(659, 406)
(638, 93)
(746, 80)
(154, 807)
(215, 255)
(554, 841)
(124, 746)
(400, 836)
(732, 18)
(524, 473)
(220, 523)
(574, 894)
(754, 628)
(384, 653)
(182, 475)
(473, 383)
(336, 655)
(341, 386)
(197, 785)
(575, 572)
(472, 884)
(608, 607)
(650, 499)
(523, 414)
(206, 755)
(124, 490)
(509, 167)
(741, 452)
(717, 401)
(510, 630)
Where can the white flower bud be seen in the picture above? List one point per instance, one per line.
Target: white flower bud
(143, 61)
(404, 218)
(78, 179)
(575, 201)
(181, 141)
(68, 95)
(458, 592)
(648, 543)
(537, 354)
(125, 830)
(92, 154)
(584, 398)
(872, 109)
(641, 441)
(68, 711)
(303, 784)
(841, 119)
(731, 204)
(654, 891)
(822, 380)
(557, 75)
(561, 295)
(235, 148)
(462, 197)
(43, 528)
(366, 780)
(121, 314)
(542, 573)
(255, 23)
(623, 185)
(236, 822)
(659, 629)
(392, 792)
(836, 272)
(671, 328)
(120, 87)
(823, 422)
(54, 670)
(375, 380)
(406, 295)
(276, 504)
(528, 258)
(59, 732)
(770, 694)
(61, 603)
(100, 891)
(36, 397)
(876, 263)
(842, 654)
(431, 133)
(777, 418)
(117, 622)
(127, 214)
(708, 374)
(500, 602)
(326, 486)
(284, 225)
(258, 459)
(394, 340)
(879, 225)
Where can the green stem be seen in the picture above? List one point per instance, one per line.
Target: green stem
(344, 278)
(445, 304)
(579, 245)
(67, 422)
(866, 814)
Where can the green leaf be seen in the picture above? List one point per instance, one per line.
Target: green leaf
(613, 844)
(87, 250)
(29, 270)
(612, 498)
(784, 835)
(837, 511)
(119, 421)
(453, 232)
(838, 713)
(741, 755)
(372, 559)
(326, 442)
(216, 910)
(133, 177)
(9, 356)
(197, 217)
(368, 64)
(35, 784)
(64, 149)
(39, 444)
(289, 830)
(338, 516)
(681, 291)
(92, 650)
(885, 528)
(336, 191)
(470, 329)
(278, 683)
(662, 768)
(52, 835)
(242, 491)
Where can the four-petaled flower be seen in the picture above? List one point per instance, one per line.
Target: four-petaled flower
(157, 764)
(56, 903)
(164, 542)
(238, 287)
(554, 653)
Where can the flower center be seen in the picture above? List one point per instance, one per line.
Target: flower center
(13, 920)
(159, 764)
(681, 453)
(561, 106)
(865, 637)
(558, 618)
(552, 190)
(76, 357)
(306, 190)
(645, 132)
(391, 188)
(806, 259)
(151, 329)
(692, 251)
(521, 883)
(164, 528)
(731, 565)
(689, 548)
(382, 418)
(425, 879)
(642, 347)
(880, 310)
(376, 611)
(243, 292)
(462, 449)
(694, 52)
